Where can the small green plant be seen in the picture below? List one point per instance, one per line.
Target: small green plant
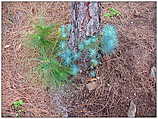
(52, 72)
(109, 39)
(57, 61)
(17, 106)
(18, 103)
(112, 13)
(106, 42)
(46, 40)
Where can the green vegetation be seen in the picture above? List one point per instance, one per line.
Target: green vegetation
(52, 72)
(18, 103)
(105, 42)
(45, 40)
(57, 61)
(17, 106)
(112, 13)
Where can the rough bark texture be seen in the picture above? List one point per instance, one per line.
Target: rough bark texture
(85, 21)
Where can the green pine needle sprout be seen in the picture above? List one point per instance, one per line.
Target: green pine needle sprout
(112, 13)
(18, 103)
(52, 72)
(46, 40)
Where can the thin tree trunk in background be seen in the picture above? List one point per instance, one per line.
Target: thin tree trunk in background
(85, 21)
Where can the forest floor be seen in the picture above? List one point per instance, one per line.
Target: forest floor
(124, 77)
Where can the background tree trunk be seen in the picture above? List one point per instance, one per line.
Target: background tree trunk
(85, 21)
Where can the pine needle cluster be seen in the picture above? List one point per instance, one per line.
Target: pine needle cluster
(57, 61)
(46, 40)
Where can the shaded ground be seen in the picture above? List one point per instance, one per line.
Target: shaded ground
(123, 77)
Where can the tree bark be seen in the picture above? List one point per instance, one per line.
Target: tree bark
(85, 21)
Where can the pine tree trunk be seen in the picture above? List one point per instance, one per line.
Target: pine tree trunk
(85, 21)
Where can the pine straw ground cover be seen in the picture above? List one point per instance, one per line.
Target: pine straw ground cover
(17, 20)
(123, 77)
